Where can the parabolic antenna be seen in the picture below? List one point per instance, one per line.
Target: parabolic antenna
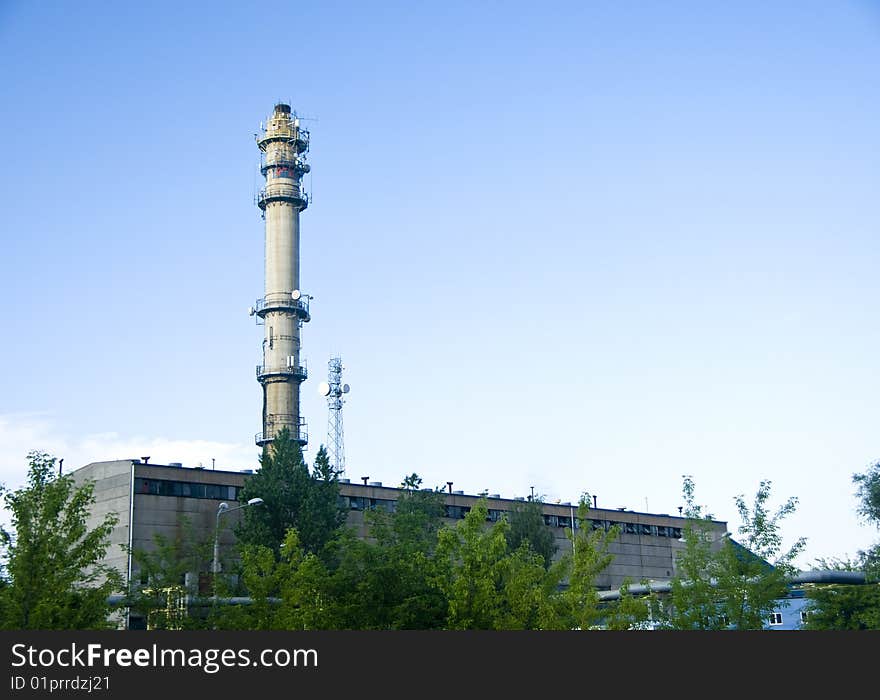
(296, 294)
(345, 388)
(251, 311)
(323, 388)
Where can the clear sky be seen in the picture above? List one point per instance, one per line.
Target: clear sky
(587, 246)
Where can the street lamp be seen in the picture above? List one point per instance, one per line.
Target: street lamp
(221, 509)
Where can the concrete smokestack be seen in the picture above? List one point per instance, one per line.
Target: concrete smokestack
(284, 308)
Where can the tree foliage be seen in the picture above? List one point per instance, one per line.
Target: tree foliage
(630, 611)
(404, 573)
(167, 571)
(293, 497)
(55, 578)
(693, 599)
(869, 509)
(526, 521)
(588, 559)
(753, 576)
(720, 583)
(389, 581)
(413, 573)
(842, 607)
(286, 591)
(869, 493)
(489, 587)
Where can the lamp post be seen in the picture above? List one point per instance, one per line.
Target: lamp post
(221, 509)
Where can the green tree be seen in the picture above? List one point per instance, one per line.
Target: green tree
(720, 583)
(631, 611)
(869, 493)
(389, 581)
(404, 572)
(287, 591)
(52, 559)
(531, 599)
(169, 569)
(843, 607)
(293, 497)
(527, 526)
(852, 607)
(588, 559)
(693, 599)
(476, 558)
(869, 509)
(752, 576)
(489, 587)
(303, 589)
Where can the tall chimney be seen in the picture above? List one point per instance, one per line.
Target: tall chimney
(284, 307)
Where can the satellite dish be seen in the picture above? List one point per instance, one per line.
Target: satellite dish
(251, 311)
(324, 389)
(345, 388)
(296, 294)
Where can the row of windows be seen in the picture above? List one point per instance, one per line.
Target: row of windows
(363, 503)
(186, 489)
(218, 492)
(646, 529)
(459, 512)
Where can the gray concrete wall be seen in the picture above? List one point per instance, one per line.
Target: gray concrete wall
(112, 495)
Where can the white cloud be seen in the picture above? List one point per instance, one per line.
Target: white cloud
(21, 433)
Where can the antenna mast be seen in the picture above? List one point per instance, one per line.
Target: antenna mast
(334, 389)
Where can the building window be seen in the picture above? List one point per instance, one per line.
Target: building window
(456, 512)
(775, 619)
(186, 489)
(805, 616)
(383, 504)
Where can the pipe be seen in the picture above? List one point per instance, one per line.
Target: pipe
(117, 599)
(840, 577)
(853, 578)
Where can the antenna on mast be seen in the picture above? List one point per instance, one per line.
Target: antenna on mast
(334, 389)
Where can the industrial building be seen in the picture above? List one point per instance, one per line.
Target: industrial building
(154, 499)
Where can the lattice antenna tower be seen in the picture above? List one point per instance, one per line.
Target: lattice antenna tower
(334, 389)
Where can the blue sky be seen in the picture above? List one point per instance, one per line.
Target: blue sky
(584, 246)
